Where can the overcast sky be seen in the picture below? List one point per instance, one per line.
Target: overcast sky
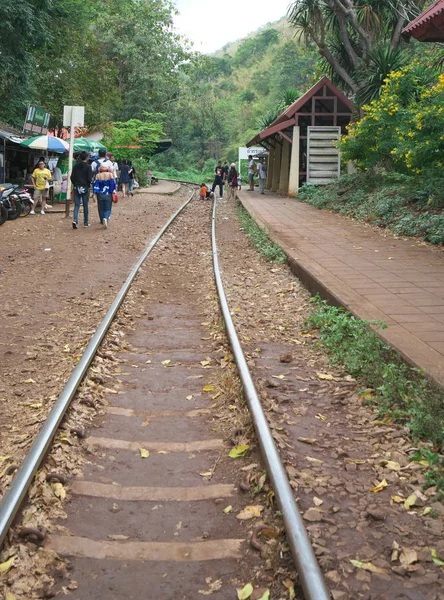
(211, 24)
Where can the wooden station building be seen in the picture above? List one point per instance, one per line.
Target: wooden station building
(302, 141)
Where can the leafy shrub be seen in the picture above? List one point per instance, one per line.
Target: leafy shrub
(141, 167)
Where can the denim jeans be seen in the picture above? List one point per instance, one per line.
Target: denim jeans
(77, 198)
(104, 204)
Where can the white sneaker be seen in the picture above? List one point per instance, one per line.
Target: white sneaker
(31, 212)
(105, 223)
(42, 212)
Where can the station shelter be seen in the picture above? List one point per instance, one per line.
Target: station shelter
(302, 141)
(428, 26)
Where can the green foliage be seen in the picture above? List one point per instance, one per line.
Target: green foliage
(405, 204)
(260, 239)
(135, 137)
(398, 391)
(141, 166)
(403, 128)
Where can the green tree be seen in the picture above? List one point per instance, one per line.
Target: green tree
(359, 40)
(134, 138)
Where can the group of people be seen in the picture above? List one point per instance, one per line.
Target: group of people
(261, 170)
(106, 176)
(225, 175)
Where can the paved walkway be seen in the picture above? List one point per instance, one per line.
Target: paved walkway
(371, 273)
(166, 188)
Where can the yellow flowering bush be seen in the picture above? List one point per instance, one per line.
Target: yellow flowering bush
(403, 130)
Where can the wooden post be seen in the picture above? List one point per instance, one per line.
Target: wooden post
(293, 184)
(270, 167)
(276, 168)
(285, 166)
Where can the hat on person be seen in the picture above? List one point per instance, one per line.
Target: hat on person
(233, 164)
(104, 168)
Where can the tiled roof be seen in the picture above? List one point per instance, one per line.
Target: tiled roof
(430, 13)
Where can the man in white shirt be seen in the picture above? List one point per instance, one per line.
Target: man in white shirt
(262, 172)
(102, 160)
(115, 167)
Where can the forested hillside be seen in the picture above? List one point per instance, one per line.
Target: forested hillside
(225, 96)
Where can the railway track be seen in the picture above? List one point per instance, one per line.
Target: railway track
(151, 514)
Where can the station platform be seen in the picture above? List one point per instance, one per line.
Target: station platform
(370, 272)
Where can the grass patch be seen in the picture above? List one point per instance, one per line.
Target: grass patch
(259, 237)
(397, 390)
(408, 206)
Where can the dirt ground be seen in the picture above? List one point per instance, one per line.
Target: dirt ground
(350, 471)
(56, 284)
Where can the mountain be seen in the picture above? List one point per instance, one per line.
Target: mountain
(225, 96)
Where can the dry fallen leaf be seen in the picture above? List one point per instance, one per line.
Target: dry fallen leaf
(239, 451)
(245, 592)
(213, 586)
(166, 362)
(250, 512)
(317, 501)
(208, 388)
(320, 417)
(265, 595)
(408, 556)
(435, 558)
(327, 376)
(279, 376)
(228, 509)
(290, 587)
(145, 453)
(367, 566)
(6, 566)
(190, 397)
(397, 499)
(391, 465)
(58, 490)
(380, 486)
(118, 537)
(206, 474)
(29, 381)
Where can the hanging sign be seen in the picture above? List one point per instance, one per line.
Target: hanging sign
(37, 120)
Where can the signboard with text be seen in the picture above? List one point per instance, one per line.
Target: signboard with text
(37, 120)
(244, 153)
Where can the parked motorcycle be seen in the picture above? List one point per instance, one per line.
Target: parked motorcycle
(10, 201)
(26, 201)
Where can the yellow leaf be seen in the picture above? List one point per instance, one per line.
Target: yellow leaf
(144, 453)
(208, 388)
(147, 362)
(10, 596)
(237, 309)
(146, 422)
(58, 490)
(367, 566)
(435, 558)
(66, 348)
(321, 417)
(326, 376)
(265, 595)
(426, 511)
(245, 592)
(380, 486)
(279, 376)
(163, 452)
(392, 465)
(411, 501)
(216, 396)
(166, 362)
(239, 451)
(4, 567)
(366, 394)
(36, 405)
(250, 512)
(118, 537)
(397, 499)
(190, 397)
(205, 362)
(29, 381)
(228, 509)
(290, 587)
(206, 474)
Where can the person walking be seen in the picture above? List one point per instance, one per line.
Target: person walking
(115, 168)
(218, 179)
(132, 178)
(125, 171)
(262, 173)
(104, 186)
(40, 180)
(102, 160)
(251, 172)
(232, 182)
(81, 178)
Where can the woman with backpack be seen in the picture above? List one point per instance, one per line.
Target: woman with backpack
(104, 186)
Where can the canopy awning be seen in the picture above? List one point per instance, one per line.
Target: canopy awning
(11, 137)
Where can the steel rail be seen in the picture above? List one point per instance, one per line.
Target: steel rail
(310, 575)
(17, 491)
